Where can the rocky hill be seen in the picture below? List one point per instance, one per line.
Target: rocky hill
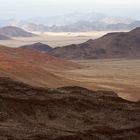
(67, 113)
(12, 31)
(3, 37)
(39, 46)
(112, 45)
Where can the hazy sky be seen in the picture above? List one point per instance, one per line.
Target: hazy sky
(43, 8)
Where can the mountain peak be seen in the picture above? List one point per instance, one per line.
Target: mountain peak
(39, 43)
(90, 40)
(135, 30)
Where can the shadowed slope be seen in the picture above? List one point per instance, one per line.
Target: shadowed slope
(69, 113)
(39, 46)
(112, 45)
(13, 31)
(3, 37)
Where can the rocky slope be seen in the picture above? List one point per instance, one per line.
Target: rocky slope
(112, 45)
(12, 31)
(38, 46)
(3, 37)
(67, 113)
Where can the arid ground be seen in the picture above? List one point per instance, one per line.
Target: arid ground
(121, 76)
(55, 39)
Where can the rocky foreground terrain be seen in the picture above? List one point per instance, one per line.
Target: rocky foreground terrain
(67, 113)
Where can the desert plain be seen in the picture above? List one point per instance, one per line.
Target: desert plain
(119, 75)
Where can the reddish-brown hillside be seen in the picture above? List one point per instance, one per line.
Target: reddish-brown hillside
(33, 67)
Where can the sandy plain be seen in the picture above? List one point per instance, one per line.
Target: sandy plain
(119, 75)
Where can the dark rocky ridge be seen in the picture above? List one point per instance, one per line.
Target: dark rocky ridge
(112, 45)
(38, 46)
(68, 113)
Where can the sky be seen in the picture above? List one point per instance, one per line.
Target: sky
(43, 8)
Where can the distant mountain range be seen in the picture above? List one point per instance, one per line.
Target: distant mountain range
(8, 22)
(82, 26)
(61, 20)
(74, 22)
(111, 45)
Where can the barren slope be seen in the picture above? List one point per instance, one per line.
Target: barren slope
(13, 31)
(33, 67)
(112, 45)
(3, 37)
(38, 46)
(68, 113)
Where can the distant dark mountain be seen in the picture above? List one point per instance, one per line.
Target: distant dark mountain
(13, 31)
(67, 113)
(112, 45)
(39, 46)
(3, 37)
